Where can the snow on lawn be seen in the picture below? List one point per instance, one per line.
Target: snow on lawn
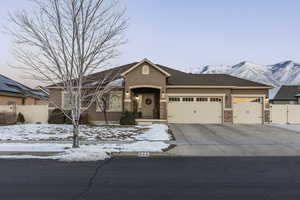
(37, 147)
(155, 132)
(292, 127)
(84, 153)
(54, 132)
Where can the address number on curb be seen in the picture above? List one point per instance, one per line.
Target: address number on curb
(143, 154)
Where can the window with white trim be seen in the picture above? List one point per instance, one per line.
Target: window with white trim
(113, 102)
(66, 100)
(145, 69)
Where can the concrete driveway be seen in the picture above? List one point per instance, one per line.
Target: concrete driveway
(234, 140)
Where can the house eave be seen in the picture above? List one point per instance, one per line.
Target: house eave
(223, 87)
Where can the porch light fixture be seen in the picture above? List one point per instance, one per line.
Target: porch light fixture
(127, 94)
(163, 94)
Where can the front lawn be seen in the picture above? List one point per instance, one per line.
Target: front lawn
(54, 132)
(31, 138)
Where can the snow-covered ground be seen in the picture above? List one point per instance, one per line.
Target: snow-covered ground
(45, 132)
(126, 139)
(292, 127)
(84, 153)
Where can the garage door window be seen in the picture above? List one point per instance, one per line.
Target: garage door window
(237, 100)
(215, 100)
(188, 99)
(174, 99)
(202, 99)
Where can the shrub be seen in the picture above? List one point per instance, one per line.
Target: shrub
(84, 118)
(127, 118)
(20, 118)
(56, 117)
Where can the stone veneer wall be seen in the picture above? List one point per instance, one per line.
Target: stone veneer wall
(163, 110)
(267, 116)
(228, 116)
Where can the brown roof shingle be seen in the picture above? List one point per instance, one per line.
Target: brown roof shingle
(179, 78)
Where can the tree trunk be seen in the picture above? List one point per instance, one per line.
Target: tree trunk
(105, 116)
(75, 136)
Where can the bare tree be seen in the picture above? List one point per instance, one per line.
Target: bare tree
(103, 104)
(61, 42)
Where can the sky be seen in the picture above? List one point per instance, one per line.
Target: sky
(191, 33)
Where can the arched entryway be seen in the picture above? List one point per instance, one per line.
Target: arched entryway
(146, 102)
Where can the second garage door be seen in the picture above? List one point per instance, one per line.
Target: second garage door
(195, 110)
(247, 110)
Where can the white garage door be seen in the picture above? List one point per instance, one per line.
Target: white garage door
(247, 110)
(195, 110)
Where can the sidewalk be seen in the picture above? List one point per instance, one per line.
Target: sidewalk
(50, 148)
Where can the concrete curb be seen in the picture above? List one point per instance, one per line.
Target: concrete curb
(19, 153)
(115, 154)
(81, 142)
(141, 154)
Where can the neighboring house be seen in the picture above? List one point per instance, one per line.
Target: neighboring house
(14, 93)
(287, 94)
(161, 94)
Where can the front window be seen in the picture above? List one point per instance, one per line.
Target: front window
(66, 101)
(111, 102)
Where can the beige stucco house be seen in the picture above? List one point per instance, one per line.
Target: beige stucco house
(156, 93)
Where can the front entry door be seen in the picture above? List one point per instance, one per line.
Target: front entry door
(148, 106)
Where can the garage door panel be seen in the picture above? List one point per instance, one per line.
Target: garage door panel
(195, 112)
(247, 112)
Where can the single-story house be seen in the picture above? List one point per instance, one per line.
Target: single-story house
(14, 93)
(157, 93)
(287, 94)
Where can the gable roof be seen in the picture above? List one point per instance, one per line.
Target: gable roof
(213, 80)
(177, 77)
(14, 88)
(287, 92)
(150, 63)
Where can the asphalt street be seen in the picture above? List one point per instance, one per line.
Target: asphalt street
(153, 178)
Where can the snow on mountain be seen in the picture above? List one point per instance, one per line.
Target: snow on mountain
(287, 73)
(212, 69)
(251, 71)
(283, 73)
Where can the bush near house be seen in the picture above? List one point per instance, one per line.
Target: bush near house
(58, 117)
(127, 118)
(21, 118)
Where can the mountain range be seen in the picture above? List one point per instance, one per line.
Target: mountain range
(283, 73)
